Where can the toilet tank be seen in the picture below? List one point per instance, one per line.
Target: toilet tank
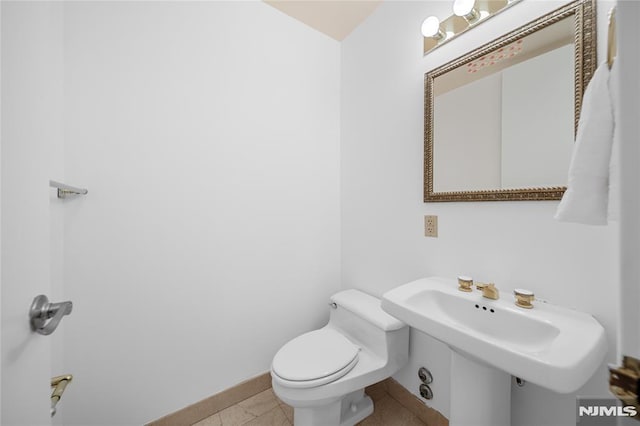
(360, 317)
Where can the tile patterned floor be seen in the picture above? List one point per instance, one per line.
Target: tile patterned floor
(265, 409)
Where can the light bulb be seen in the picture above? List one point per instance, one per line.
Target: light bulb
(463, 7)
(431, 28)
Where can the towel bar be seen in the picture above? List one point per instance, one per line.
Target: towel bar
(66, 190)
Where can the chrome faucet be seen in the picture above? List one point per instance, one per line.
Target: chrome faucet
(489, 290)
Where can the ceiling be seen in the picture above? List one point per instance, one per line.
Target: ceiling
(335, 18)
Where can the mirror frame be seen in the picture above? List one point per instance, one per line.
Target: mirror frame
(585, 64)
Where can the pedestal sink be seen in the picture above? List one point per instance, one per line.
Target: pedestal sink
(553, 347)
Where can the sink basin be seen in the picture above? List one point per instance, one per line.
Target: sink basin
(551, 346)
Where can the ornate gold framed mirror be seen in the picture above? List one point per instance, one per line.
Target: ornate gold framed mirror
(500, 120)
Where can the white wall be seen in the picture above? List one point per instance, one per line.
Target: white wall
(515, 244)
(32, 140)
(207, 134)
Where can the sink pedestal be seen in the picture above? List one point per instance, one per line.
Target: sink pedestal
(480, 394)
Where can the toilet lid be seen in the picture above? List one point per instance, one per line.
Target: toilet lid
(314, 355)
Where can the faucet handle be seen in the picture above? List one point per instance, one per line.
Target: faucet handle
(465, 283)
(524, 298)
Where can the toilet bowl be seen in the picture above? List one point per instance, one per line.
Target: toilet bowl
(322, 374)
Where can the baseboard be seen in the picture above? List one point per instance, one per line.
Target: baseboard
(412, 403)
(207, 407)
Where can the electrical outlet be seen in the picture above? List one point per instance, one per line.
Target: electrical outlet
(431, 226)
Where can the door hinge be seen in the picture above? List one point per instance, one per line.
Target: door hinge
(624, 382)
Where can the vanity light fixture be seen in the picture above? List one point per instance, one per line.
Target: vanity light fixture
(431, 28)
(466, 15)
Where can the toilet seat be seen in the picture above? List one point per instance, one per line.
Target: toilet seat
(314, 358)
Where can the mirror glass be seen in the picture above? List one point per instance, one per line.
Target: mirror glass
(502, 118)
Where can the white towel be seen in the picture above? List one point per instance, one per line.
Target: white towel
(587, 196)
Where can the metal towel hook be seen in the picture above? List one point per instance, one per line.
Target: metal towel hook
(42, 311)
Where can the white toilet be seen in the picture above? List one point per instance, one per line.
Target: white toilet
(322, 374)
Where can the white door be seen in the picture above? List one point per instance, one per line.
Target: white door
(628, 126)
(31, 127)
(628, 20)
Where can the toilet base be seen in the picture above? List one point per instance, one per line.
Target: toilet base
(347, 411)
